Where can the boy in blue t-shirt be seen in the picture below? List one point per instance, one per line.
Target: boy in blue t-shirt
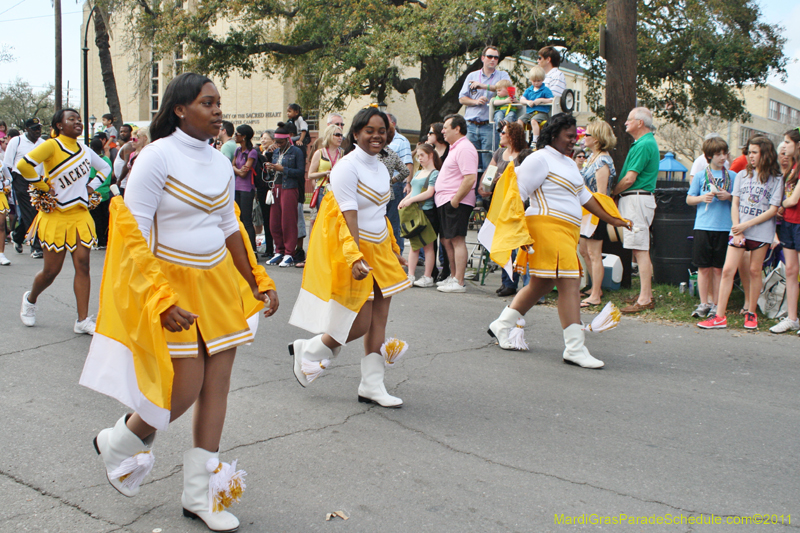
(536, 111)
(711, 191)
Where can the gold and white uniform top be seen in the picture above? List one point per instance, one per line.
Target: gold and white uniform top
(181, 192)
(67, 164)
(361, 182)
(554, 185)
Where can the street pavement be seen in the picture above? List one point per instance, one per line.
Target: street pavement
(680, 423)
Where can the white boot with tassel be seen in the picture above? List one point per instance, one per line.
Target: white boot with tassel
(576, 352)
(127, 458)
(372, 389)
(311, 358)
(209, 487)
(508, 330)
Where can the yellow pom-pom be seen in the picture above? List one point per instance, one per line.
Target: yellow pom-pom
(392, 350)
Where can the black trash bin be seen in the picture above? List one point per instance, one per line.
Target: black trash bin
(672, 233)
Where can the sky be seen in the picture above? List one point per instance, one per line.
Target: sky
(35, 61)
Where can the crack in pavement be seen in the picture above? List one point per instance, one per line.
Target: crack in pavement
(175, 469)
(554, 476)
(76, 337)
(143, 515)
(298, 432)
(49, 494)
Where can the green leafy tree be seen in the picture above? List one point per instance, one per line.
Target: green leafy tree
(692, 54)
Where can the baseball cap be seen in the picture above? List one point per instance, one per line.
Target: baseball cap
(33, 123)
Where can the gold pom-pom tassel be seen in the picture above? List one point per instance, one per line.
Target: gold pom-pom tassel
(314, 369)
(392, 350)
(42, 200)
(95, 199)
(608, 318)
(226, 485)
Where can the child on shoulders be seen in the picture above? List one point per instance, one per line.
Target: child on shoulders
(504, 103)
(537, 98)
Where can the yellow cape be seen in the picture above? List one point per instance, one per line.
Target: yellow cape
(505, 229)
(330, 298)
(128, 359)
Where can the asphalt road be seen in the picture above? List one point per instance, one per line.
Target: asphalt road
(680, 423)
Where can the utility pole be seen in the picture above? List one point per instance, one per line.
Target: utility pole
(57, 10)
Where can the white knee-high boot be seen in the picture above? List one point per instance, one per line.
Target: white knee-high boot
(311, 358)
(507, 329)
(372, 389)
(127, 458)
(198, 501)
(576, 352)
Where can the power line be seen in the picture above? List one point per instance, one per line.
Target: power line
(12, 7)
(39, 16)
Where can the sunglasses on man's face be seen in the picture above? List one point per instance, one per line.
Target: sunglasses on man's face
(492, 56)
(340, 124)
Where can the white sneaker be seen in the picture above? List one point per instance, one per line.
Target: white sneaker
(445, 281)
(412, 279)
(28, 311)
(86, 326)
(4, 260)
(453, 286)
(288, 261)
(424, 281)
(785, 325)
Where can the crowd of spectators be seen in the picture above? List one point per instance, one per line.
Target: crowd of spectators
(271, 175)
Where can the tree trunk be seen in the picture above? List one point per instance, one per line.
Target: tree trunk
(620, 72)
(432, 102)
(106, 68)
(59, 92)
(621, 92)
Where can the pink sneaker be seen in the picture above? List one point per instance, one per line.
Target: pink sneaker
(715, 322)
(750, 321)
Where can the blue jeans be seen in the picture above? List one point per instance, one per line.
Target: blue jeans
(394, 215)
(481, 139)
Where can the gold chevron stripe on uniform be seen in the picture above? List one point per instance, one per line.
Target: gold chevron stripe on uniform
(203, 202)
(372, 195)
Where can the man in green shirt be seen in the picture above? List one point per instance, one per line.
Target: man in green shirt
(636, 202)
(228, 147)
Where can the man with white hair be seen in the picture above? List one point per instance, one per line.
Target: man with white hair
(637, 203)
(335, 119)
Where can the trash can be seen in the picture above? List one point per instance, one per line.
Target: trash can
(672, 233)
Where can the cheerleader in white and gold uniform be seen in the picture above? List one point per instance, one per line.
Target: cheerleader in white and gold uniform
(353, 266)
(181, 291)
(69, 226)
(550, 179)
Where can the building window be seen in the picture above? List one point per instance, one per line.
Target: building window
(773, 110)
(312, 119)
(784, 113)
(577, 101)
(178, 63)
(154, 88)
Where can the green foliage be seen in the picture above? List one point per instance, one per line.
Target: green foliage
(693, 54)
